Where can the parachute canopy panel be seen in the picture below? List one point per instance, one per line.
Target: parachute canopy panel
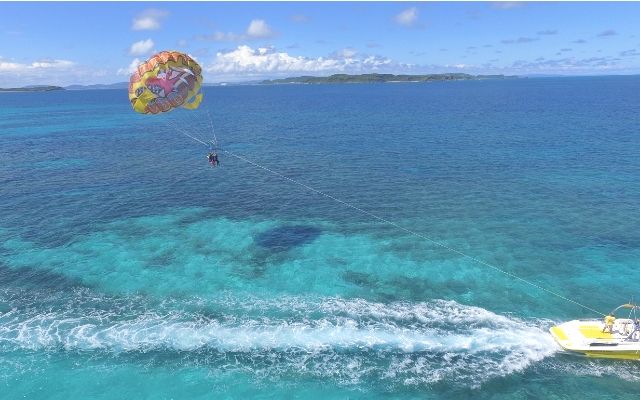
(167, 80)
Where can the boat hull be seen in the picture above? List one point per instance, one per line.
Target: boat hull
(586, 337)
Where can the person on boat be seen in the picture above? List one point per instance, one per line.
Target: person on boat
(635, 335)
(608, 323)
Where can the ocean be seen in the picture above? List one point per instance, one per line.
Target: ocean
(129, 268)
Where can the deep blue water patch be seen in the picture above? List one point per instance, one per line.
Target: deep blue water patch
(287, 237)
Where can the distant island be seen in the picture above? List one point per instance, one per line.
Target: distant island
(125, 85)
(32, 89)
(99, 86)
(384, 78)
(335, 78)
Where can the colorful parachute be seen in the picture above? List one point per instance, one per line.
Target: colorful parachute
(165, 81)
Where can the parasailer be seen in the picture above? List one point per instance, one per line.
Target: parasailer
(167, 80)
(213, 159)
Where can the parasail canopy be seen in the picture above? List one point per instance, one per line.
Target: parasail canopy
(167, 80)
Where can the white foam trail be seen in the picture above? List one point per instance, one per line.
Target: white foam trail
(586, 367)
(419, 342)
(343, 324)
(172, 332)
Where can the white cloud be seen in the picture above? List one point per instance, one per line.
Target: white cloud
(223, 37)
(46, 72)
(145, 24)
(245, 61)
(150, 19)
(561, 65)
(263, 60)
(520, 40)
(507, 5)
(258, 28)
(59, 64)
(407, 17)
(141, 47)
(7, 66)
(347, 52)
(130, 69)
(570, 64)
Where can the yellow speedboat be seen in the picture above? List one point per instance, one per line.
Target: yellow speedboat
(593, 338)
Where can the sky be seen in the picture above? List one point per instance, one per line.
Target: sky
(100, 42)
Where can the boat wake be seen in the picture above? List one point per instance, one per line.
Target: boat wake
(348, 340)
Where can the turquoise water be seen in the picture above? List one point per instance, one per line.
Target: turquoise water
(131, 269)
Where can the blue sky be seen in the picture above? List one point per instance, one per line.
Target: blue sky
(66, 43)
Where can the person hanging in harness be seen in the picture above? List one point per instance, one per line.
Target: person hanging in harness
(212, 157)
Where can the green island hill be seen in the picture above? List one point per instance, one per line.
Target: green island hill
(32, 89)
(384, 78)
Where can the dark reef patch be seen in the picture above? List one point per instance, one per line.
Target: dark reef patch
(286, 237)
(360, 279)
(165, 259)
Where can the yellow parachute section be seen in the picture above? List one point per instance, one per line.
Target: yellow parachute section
(167, 80)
